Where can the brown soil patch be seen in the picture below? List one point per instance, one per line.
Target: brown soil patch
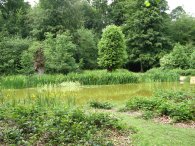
(168, 120)
(118, 138)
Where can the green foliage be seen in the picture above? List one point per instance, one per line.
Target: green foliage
(86, 78)
(160, 75)
(14, 17)
(96, 77)
(86, 48)
(28, 58)
(59, 53)
(55, 16)
(182, 30)
(144, 29)
(33, 124)
(118, 11)
(143, 103)
(101, 105)
(11, 50)
(177, 13)
(192, 61)
(178, 58)
(177, 105)
(111, 48)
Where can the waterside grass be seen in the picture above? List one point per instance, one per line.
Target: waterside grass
(96, 77)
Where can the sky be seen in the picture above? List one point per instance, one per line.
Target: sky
(188, 5)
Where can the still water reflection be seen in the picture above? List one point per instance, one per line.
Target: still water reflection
(83, 94)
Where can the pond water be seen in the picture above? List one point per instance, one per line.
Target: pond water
(83, 94)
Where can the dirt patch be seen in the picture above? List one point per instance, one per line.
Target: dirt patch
(168, 120)
(115, 111)
(118, 138)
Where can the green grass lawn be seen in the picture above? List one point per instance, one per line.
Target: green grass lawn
(150, 133)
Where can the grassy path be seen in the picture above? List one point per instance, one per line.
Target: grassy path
(150, 133)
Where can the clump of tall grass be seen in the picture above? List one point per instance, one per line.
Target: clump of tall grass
(103, 77)
(22, 81)
(160, 75)
(100, 77)
(95, 77)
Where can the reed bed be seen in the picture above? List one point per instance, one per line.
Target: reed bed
(95, 77)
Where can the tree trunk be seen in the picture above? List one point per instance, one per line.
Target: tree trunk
(141, 67)
(39, 64)
(109, 69)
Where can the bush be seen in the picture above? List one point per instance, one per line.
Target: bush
(178, 105)
(180, 57)
(101, 105)
(59, 53)
(143, 103)
(35, 124)
(192, 62)
(28, 58)
(11, 50)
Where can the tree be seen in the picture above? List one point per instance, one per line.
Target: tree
(118, 11)
(11, 49)
(86, 51)
(182, 30)
(192, 61)
(96, 15)
(144, 30)
(111, 48)
(55, 16)
(59, 53)
(178, 58)
(33, 59)
(14, 14)
(177, 13)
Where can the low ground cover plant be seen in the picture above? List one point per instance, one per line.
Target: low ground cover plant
(178, 105)
(35, 124)
(101, 105)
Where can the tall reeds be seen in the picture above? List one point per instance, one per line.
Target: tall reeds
(95, 77)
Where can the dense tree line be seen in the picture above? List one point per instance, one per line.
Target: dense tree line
(63, 35)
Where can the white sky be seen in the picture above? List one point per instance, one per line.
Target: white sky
(188, 5)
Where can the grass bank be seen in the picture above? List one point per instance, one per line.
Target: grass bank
(96, 77)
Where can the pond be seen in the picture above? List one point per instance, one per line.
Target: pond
(83, 94)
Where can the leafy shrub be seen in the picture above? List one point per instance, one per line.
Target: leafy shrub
(28, 58)
(180, 57)
(177, 96)
(143, 103)
(59, 53)
(11, 50)
(192, 62)
(178, 105)
(101, 105)
(34, 124)
(148, 115)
